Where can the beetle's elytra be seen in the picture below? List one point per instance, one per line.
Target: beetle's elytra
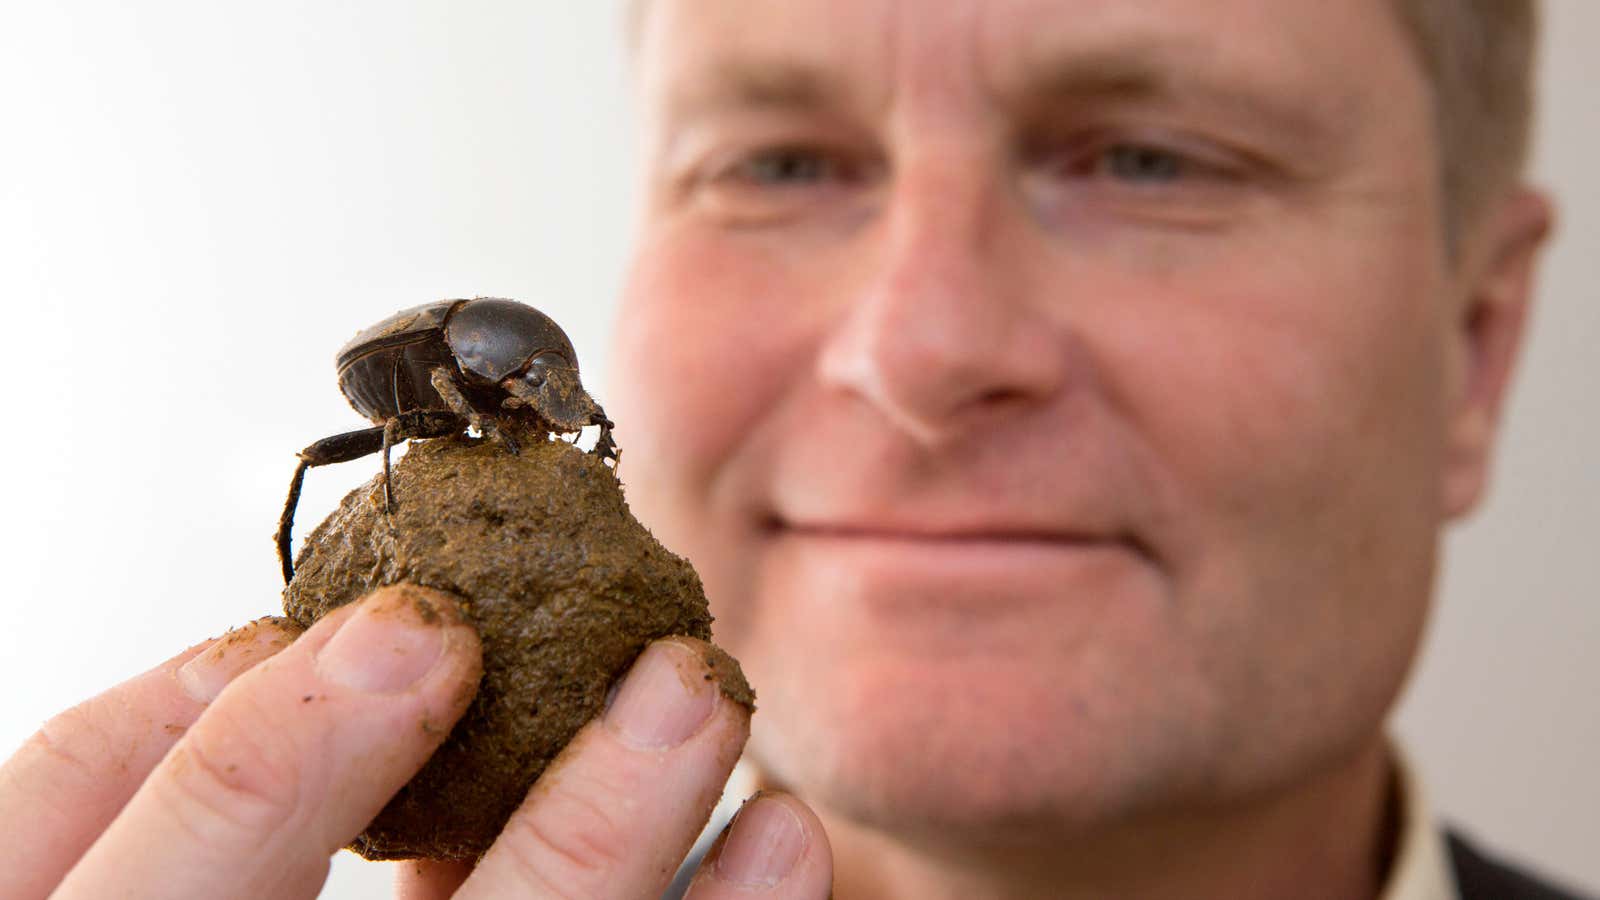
(438, 369)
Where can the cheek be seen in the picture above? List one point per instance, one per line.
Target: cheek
(1258, 378)
(1303, 446)
(710, 338)
(1335, 383)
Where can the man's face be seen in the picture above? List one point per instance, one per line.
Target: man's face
(1051, 393)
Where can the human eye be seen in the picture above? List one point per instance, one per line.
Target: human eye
(777, 182)
(1147, 164)
(784, 167)
(1153, 178)
(1138, 164)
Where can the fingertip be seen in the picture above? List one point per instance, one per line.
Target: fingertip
(398, 639)
(720, 666)
(204, 674)
(764, 841)
(423, 605)
(287, 627)
(774, 840)
(430, 604)
(429, 879)
(619, 808)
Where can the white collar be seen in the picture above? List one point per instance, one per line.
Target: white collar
(1420, 869)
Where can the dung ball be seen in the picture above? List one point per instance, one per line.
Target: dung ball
(564, 586)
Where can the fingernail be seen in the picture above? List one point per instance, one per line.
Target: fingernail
(389, 644)
(764, 841)
(665, 697)
(204, 676)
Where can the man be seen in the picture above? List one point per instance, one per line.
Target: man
(1061, 400)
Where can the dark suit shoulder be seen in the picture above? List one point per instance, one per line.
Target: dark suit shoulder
(1481, 877)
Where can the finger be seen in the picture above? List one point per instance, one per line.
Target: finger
(294, 757)
(429, 879)
(72, 777)
(617, 811)
(774, 846)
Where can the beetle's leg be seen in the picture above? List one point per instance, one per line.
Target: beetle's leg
(335, 449)
(453, 398)
(390, 428)
(522, 396)
(503, 436)
(604, 446)
(354, 445)
(286, 520)
(461, 406)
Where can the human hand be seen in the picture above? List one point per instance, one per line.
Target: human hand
(616, 812)
(215, 775)
(238, 767)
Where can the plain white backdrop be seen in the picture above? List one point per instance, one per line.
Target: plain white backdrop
(199, 202)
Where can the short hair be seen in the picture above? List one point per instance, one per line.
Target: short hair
(1478, 59)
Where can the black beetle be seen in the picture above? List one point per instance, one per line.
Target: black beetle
(435, 370)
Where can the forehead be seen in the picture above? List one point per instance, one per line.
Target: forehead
(875, 54)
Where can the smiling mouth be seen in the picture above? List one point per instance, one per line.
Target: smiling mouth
(953, 539)
(950, 538)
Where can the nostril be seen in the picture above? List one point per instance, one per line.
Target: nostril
(1001, 397)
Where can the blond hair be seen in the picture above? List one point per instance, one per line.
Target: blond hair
(1478, 57)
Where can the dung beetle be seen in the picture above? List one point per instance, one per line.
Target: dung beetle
(437, 369)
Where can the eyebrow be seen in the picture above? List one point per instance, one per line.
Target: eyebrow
(1150, 72)
(758, 84)
(1159, 73)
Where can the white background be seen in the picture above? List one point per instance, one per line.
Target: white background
(199, 202)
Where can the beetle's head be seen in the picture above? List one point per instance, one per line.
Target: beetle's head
(550, 386)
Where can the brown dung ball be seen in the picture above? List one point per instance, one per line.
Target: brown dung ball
(563, 585)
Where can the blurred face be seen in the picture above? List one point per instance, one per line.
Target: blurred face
(1051, 393)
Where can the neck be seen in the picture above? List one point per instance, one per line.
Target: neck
(1327, 838)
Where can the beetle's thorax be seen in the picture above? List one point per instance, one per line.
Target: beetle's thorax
(492, 338)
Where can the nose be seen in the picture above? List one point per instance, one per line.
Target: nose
(942, 333)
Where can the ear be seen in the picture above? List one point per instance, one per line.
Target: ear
(1497, 270)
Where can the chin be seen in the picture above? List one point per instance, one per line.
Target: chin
(1009, 750)
(1005, 705)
